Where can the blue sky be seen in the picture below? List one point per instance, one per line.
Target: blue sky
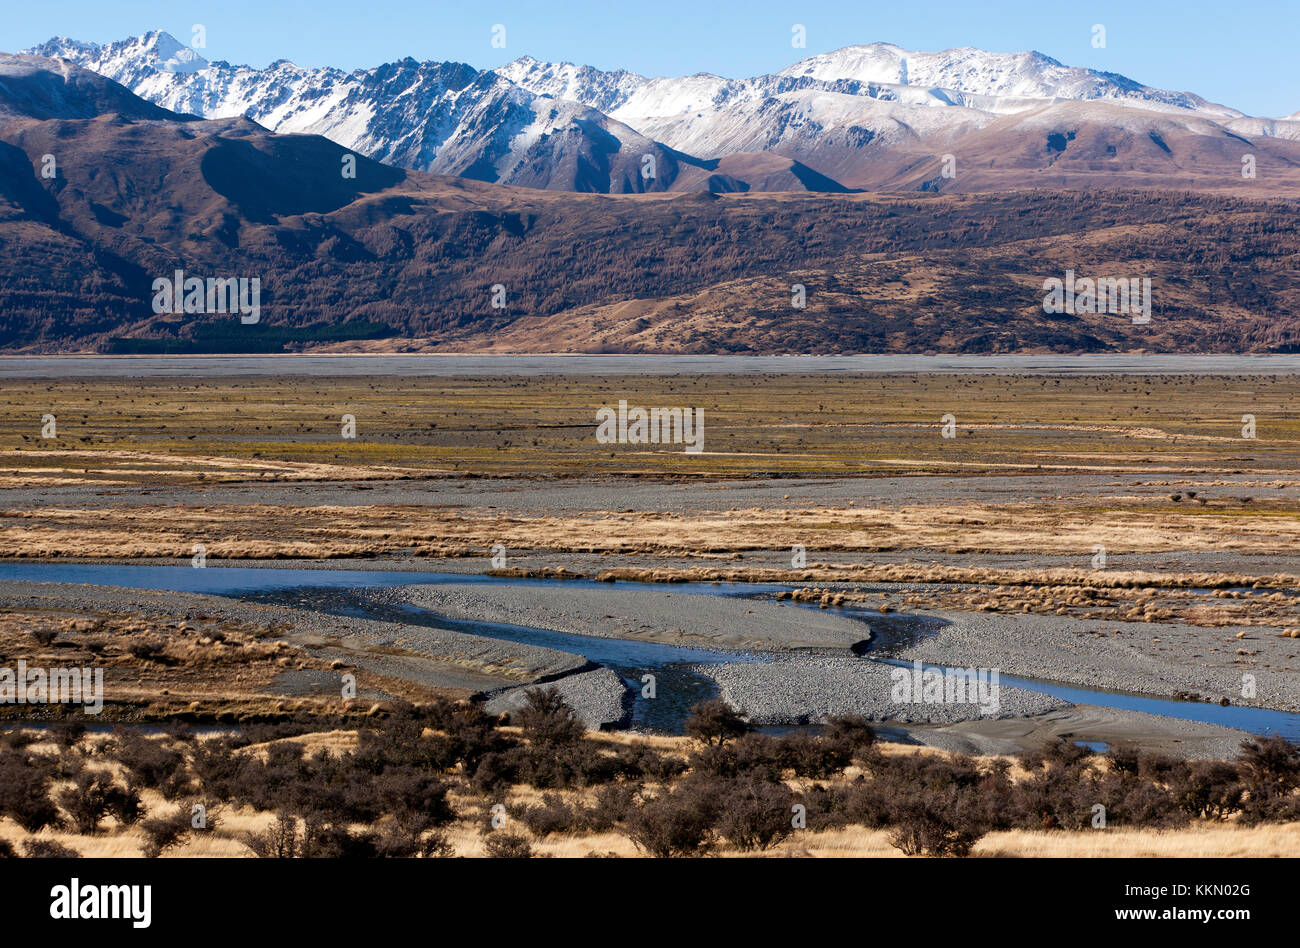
(1242, 54)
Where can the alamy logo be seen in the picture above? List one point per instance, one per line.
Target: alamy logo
(181, 294)
(637, 425)
(83, 686)
(921, 685)
(134, 902)
(1118, 296)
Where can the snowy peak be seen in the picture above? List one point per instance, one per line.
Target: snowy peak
(976, 72)
(156, 50)
(169, 55)
(605, 91)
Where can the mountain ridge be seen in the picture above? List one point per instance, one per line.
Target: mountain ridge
(861, 117)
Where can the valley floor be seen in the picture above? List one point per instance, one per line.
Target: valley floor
(1113, 533)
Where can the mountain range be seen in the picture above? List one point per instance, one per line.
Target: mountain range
(873, 117)
(103, 192)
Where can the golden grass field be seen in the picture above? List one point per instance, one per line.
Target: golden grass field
(1181, 434)
(130, 431)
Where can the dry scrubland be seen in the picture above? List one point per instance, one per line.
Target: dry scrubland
(428, 780)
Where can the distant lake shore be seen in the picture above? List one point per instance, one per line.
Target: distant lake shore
(453, 365)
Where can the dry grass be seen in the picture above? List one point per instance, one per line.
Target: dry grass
(1226, 841)
(204, 668)
(149, 431)
(267, 531)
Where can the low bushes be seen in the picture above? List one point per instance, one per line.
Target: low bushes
(165, 832)
(393, 794)
(676, 822)
(94, 796)
(25, 790)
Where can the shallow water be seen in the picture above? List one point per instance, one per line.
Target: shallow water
(233, 580)
(1253, 720)
(342, 591)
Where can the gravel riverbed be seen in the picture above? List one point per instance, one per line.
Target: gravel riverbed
(1137, 657)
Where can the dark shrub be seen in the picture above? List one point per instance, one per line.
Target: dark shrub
(69, 734)
(87, 802)
(1124, 759)
(714, 722)
(755, 814)
(1059, 754)
(939, 823)
(1061, 791)
(45, 637)
(321, 840)
(546, 719)
(7, 850)
(865, 803)
(674, 823)
(48, 849)
(1269, 770)
(552, 815)
(1209, 790)
(753, 755)
(643, 761)
(828, 806)
(474, 735)
(1142, 804)
(1271, 810)
(124, 804)
(561, 766)
(402, 741)
(152, 763)
(1270, 766)
(277, 841)
(25, 791)
(1160, 768)
(219, 768)
(503, 845)
(419, 799)
(612, 804)
(398, 842)
(148, 650)
(497, 770)
(851, 730)
(164, 832)
(437, 846)
(814, 757)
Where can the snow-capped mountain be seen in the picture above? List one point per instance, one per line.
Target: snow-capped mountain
(831, 110)
(985, 76)
(878, 115)
(446, 118)
(993, 82)
(866, 116)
